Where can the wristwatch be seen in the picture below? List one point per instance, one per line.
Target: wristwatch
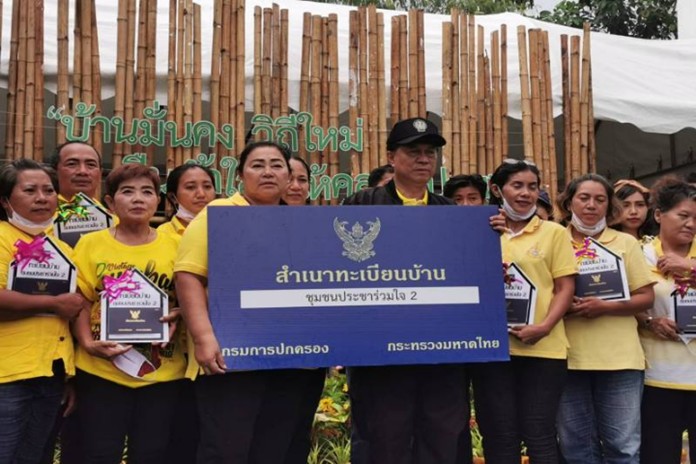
(648, 320)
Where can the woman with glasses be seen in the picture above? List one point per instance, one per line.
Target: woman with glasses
(599, 415)
(518, 400)
(669, 397)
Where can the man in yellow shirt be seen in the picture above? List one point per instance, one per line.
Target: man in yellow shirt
(78, 166)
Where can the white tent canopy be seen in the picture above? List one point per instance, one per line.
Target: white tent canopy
(649, 84)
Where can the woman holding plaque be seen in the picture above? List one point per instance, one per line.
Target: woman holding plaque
(668, 329)
(635, 219)
(127, 389)
(599, 414)
(36, 349)
(241, 418)
(518, 399)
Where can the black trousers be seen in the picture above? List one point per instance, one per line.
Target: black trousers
(108, 413)
(665, 414)
(257, 417)
(408, 414)
(518, 401)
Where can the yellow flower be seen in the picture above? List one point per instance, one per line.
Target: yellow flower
(345, 387)
(326, 405)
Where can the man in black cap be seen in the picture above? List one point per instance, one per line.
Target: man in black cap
(408, 414)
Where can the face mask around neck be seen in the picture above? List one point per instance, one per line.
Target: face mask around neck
(588, 231)
(24, 224)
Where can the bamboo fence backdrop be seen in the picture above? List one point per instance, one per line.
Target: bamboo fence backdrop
(474, 85)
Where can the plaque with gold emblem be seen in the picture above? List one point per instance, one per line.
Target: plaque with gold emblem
(131, 308)
(520, 296)
(684, 302)
(40, 267)
(601, 272)
(78, 217)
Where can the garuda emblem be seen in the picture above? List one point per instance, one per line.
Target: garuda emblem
(357, 242)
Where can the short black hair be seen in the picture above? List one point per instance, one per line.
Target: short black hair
(506, 170)
(244, 155)
(377, 174)
(465, 180)
(54, 157)
(9, 174)
(175, 175)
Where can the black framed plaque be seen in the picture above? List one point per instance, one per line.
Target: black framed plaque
(602, 274)
(95, 218)
(685, 311)
(40, 267)
(520, 297)
(131, 308)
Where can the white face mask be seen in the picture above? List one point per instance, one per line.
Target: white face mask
(182, 213)
(588, 231)
(514, 215)
(30, 227)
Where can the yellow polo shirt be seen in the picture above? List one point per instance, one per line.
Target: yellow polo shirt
(174, 228)
(413, 201)
(543, 252)
(193, 249)
(670, 364)
(98, 254)
(29, 346)
(611, 343)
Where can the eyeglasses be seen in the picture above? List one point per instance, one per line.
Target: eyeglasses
(518, 161)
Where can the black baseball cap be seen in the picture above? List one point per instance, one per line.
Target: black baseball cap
(414, 130)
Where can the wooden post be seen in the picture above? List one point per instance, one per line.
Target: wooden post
(98, 135)
(395, 68)
(488, 112)
(197, 67)
(20, 107)
(38, 81)
(364, 94)
(584, 99)
(497, 107)
(332, 34)
(141, 64)
(284, 61)
(86, 53)
(381, 93)
(373, 128)
(413, 64)
(258, 57)
(240, 78)
(30, 82)
(128, 104)
(353, 86)
(504, 90)
(481, 102)
(526, 100)
(12, 82)
(553, 168)
(266, 85)
(565, 73)
(473, 99)
(455, 99)
(576, 162)
(63, 92)
(447, 40)
(545, 167)
(275, 62)
(315, 77)
(188, 71)
(464, 166)
(404, 91)
(304, 78)
(420, 34)
(535, 94)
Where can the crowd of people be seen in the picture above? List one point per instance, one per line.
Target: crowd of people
(589, 380)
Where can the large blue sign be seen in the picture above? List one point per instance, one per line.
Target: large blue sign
(355, 286)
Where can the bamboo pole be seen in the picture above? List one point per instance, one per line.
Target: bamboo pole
(455, 139)
(543, 115)
(63, 92)
(447, 40)
(266, 68)
(275, 62)
(488, 111)
(473, 107)
(381, 93)
(504, 90)
(364, 93)
(171, 78)
(332, 34)
(240, 77)
(324, 83)
(404, 91)
(86, 53)
(353, 85)
(395, 65)
(565, 79)
(584, 99)
(21, 83)
(535, 90)
(420, 34)
(481, 101)
(464, 166)
(284, 109)
(12, 82)
(197, 66)
(150, 66)
(77, 57)
(258, 58)
(188, 71)
(30, 82)
(576, 162)
(232, 44)
(120, 82)
(497, 106)
(413, 64)
(372, 86)
(553, 168)
(128, 104)
(526, 100)
(179, 105)
(98, 135)
(141, 64)
(304, 78)
(38, 80)
(315, 76)
(591, 142)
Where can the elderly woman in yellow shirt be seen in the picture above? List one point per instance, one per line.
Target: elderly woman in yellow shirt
(669, 397)
(599, 416)
(518, 400)
(36, 350)
(116, 404)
